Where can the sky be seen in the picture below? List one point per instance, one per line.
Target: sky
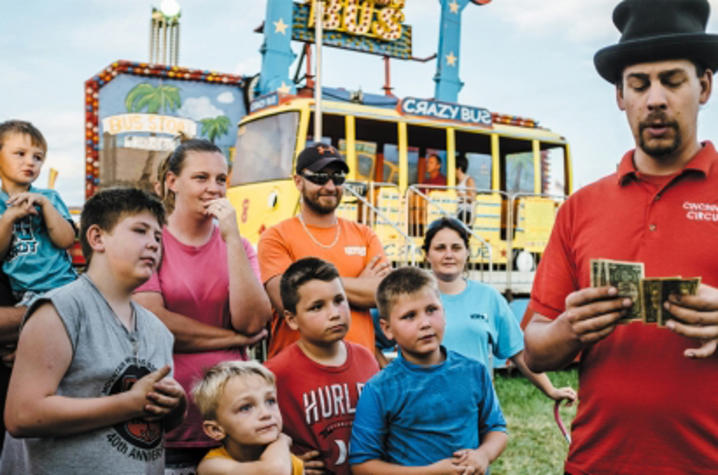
(522, 57)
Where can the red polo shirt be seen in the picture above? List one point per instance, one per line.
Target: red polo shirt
(644, 407)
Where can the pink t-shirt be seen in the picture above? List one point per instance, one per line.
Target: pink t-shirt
(194, 281)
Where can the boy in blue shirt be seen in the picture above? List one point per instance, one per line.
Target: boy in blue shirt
(431, 410)
(35, 225)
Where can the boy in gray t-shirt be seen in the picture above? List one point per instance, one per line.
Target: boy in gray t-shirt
(91, 379)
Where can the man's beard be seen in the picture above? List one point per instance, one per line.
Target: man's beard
(658, 150)
(317, 207)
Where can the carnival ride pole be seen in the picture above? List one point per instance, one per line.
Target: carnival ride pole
(318, 32)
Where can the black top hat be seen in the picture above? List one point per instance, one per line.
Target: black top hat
(318, 156)
(656, 30)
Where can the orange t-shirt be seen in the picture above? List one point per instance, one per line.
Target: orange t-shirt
(281, 245)
(221, 452)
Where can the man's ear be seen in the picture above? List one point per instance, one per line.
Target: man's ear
(95, 238)
(706, 86)
(386, 328)
(619, 96)
(291, 319)
(298, 182)
(213, 430)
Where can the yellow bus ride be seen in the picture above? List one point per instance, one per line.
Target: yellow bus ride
(522, 173)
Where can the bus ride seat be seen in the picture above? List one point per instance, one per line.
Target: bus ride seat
(487, 225)
(388, 203)
(441, 200)
(535, 217)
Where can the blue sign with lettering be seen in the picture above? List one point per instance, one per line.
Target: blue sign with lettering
(262, 102)
(445, 111)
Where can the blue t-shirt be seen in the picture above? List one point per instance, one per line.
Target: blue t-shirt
(415, 415)
(32, 261)
(475, 314)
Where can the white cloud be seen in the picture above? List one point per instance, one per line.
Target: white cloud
(249, 65)
(198, 108)
(225, 98)
(579, 20)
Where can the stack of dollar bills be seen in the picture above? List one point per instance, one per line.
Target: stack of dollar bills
(648, 295)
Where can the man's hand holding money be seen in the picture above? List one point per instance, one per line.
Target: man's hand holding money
(592, 313)
(696, 317)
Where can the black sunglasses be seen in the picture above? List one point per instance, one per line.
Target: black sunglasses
(323, 178)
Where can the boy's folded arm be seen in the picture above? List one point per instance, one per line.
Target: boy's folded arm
(33, 409)
(379, 467)
(493, 443)
(223, 466)
(275, 460)
(61, 232)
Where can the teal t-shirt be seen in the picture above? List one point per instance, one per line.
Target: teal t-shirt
(474, 315)
(415, 415)
(33, 262)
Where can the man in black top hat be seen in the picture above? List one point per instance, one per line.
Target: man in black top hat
(647, 394)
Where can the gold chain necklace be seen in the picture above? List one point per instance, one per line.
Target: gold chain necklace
(311, 236)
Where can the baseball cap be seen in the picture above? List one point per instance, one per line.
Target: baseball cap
(318, 156)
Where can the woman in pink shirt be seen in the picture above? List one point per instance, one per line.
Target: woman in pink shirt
(207, 289)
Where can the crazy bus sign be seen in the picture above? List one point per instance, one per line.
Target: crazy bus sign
(445, 111)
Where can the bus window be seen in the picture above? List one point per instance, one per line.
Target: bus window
(266, 147)
(477, 150)
(384, 136)
(553, 173)
(480, 169)
(428, 141)
(518, 159)
(391, 164)
(332, 129)
(366, 158)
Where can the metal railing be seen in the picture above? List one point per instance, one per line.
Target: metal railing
(416, 205)
(371, 212)
(414, 194)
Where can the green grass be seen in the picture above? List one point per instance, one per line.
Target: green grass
(536, 446)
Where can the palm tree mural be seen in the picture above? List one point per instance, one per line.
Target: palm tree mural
(215, 127)
(153, 99)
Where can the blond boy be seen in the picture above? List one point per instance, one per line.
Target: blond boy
(238, 402)
(431, 411)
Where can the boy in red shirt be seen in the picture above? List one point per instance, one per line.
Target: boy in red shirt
(319, 377)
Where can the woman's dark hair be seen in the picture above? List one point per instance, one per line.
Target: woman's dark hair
(462, 163)
(175, 162)
(442, 223)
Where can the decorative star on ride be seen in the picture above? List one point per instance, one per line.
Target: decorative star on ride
(280, 27)
(454, 7)
(284, 89)
(451, 59)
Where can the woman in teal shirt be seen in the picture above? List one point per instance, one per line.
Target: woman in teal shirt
(479, 322)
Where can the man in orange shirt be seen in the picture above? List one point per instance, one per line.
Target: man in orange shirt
(317, 231)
